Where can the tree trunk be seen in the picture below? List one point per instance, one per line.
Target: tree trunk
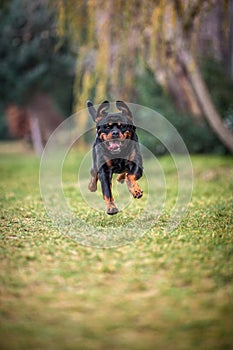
(203, 96)
(230, 59)
(43, 118)
(182, 91)
(36, 135)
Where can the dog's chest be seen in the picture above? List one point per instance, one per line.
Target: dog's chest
(120, 165)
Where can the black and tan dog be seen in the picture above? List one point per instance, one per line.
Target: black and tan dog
(115, 150)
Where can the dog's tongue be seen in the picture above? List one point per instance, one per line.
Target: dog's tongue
(113, 145)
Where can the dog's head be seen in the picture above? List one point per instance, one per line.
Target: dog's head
(113, 129)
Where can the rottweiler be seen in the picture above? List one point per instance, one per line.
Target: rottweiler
(115, 150)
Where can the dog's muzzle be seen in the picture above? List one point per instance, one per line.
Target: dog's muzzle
(114, 146)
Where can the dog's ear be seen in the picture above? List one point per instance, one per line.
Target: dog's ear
(91, 110)
(102, 111)
(122, 106)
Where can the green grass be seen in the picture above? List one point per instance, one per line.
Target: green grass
(166, 290)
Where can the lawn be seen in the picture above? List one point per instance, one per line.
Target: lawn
(164, 290)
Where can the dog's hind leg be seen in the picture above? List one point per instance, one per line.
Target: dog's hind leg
(111, 208)
(121, 178)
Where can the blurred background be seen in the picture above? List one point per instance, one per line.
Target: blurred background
(170, 55)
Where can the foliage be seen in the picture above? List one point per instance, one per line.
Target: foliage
(199, 138)
(32, 57)
(167, 288)
(220, 87)
(3, 124)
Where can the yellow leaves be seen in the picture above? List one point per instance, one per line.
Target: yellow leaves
(87, 84)
(155, 26)
(61, 18)
(114, 37)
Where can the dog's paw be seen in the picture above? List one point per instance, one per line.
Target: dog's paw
(92, 186)
(112, 209)
(137, 192)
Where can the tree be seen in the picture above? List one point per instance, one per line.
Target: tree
(164, 36)
(33, 62)
(189, 64)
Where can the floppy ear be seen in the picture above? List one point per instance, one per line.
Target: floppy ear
(122, 106)
(91, 110)
(102, 111)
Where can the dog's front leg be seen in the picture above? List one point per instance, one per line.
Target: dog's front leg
(93, 182)
(131, 180)
(133, 186)
(105, 177)
(133, 175)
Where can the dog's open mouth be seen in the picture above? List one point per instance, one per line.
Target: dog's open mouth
(114, 146)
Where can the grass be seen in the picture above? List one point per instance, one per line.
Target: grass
(165, 290)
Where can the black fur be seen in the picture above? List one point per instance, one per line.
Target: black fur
(115, 150)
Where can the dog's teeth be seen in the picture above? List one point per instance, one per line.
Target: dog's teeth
(113, 145)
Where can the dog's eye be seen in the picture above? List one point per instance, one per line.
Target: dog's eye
(107, 126)
(123, 126)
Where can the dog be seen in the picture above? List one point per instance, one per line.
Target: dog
(115, 150)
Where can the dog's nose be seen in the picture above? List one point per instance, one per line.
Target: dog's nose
(115, 133)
